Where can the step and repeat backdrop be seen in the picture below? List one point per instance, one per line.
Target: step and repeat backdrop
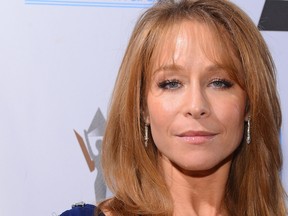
(58, 64)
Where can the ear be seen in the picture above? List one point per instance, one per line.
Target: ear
(247, 111)
(247, 116)
(146, 116)
(147, 120)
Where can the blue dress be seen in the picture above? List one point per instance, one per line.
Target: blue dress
(81, 209)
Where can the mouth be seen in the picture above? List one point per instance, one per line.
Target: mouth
(196, 137)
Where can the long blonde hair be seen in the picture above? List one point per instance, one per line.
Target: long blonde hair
(131, 170)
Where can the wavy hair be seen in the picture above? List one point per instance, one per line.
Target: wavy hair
(132, 171)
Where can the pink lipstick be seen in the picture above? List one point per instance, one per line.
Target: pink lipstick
(196, 137)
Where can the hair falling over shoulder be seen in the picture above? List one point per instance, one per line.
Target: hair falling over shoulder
(131, 170)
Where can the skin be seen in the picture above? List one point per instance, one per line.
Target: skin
(196, 114)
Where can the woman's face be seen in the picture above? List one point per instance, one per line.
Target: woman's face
(195, 110)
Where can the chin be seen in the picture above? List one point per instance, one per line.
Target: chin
(202, 169)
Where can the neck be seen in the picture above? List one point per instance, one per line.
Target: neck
(197, 193)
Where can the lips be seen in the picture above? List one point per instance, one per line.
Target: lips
(196, 137)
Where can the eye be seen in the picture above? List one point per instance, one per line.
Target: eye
(170, 84)
(221, 83)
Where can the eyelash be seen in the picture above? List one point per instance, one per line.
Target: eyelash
(170, 84)
(225, 84)
(175, 84)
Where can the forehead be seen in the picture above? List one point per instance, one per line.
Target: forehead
(187, 36)
(190, 37)
(186, 39)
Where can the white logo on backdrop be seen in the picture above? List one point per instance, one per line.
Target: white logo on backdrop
(95, 3)
(94, 134)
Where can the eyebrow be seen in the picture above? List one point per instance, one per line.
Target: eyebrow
(214, 68)
(169, 67)
(174, 67)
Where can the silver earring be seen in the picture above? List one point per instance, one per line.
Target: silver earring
(248, 135)
(146, 136)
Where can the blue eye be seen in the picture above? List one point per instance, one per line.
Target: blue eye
(221, 84)
(170, 84)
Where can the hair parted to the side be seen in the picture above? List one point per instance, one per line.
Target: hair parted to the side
(131, 170)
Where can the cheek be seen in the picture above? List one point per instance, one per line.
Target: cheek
(161, 109)
(230, 106)
(231, 114)
(162, 113)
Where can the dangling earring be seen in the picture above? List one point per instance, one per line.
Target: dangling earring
(248, 135)
(146, 136)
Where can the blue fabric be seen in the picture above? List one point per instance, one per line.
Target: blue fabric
(81, 210)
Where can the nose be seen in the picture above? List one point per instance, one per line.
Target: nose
(196, 103)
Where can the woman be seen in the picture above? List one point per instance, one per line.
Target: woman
(193, 127)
